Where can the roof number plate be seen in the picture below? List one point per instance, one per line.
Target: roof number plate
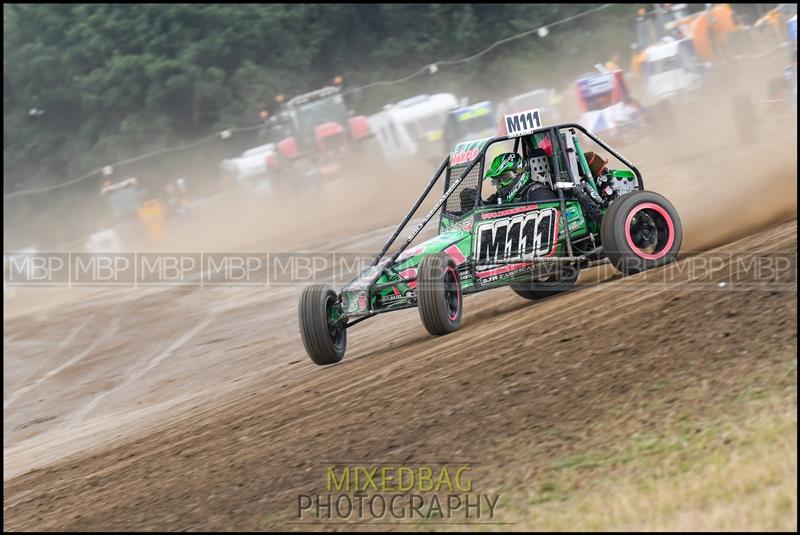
(523, 123)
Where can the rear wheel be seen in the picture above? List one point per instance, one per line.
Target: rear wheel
(558, 282)
(324, 338)
(640, 231)
(439, 297)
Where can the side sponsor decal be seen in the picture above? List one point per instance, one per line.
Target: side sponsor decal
(455, 253)
(510, 211)
(522, 237)
(463, 157)
(466, 151)
(407, 274)
(492, 275)
(393, 298)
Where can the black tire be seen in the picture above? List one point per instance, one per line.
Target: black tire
(439, 297)
(744, 118)
(324, 344)
(559, 282)
(641, 231)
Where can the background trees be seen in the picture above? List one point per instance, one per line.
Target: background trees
(89, 84)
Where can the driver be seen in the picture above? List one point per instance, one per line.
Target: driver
(510, 175)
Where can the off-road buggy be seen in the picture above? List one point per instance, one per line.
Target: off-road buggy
(537, 248)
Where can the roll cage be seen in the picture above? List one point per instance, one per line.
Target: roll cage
(559, 175)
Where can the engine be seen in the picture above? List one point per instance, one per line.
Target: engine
(613, 183)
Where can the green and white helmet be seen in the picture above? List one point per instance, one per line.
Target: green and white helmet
(505, 169)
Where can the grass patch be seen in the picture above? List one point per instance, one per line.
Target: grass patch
(732, 472)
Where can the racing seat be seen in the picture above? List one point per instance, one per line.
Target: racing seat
(467, 198)
(596, 164)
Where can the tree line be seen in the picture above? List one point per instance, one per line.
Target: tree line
(89, 84)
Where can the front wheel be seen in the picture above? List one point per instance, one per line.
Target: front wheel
(439, 296)
(324, 337)
(640, 231)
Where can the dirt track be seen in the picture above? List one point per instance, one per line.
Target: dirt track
(197, 409)
(477, 395)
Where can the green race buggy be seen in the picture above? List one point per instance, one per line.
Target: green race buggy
(595, 214)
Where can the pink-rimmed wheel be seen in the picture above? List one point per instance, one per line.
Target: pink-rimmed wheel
(439, 298)
(640, 231)
(649, 231)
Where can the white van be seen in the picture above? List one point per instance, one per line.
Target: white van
(409, 127)
(671, 68)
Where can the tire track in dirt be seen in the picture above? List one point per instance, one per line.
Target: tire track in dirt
(108, 333)
(138, 372)
(57, 351)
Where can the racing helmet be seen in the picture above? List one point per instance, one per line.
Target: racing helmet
(505, 169)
